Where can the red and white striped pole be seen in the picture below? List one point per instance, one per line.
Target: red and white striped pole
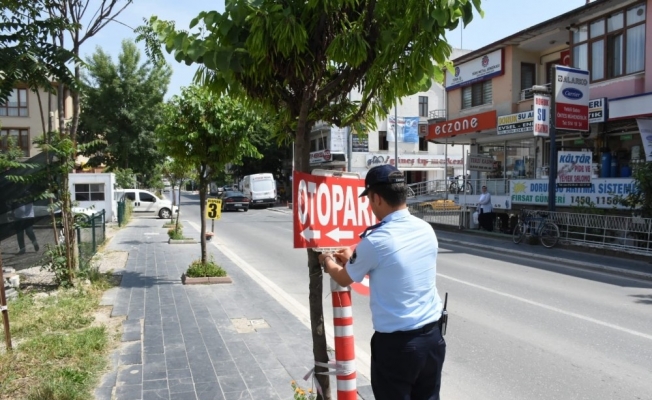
(344, 343)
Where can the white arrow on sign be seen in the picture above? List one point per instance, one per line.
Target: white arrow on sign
(309, 234)
(336, 234)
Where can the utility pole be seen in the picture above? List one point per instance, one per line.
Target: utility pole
(396, 133)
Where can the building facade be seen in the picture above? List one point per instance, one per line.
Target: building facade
(420, 159)
(24, 115)
(490, 102)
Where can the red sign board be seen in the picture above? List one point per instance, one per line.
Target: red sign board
(327, 211)
(460, 126)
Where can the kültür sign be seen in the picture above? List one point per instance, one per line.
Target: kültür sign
(327, 211)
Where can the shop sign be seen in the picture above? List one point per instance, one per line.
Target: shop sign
(541, 126)
(477, 162)
(571, 99)
(360, 143)
(597, 110)
(574, 169)
(459, 126)
(603, 193)
(476, 70)
(412, 161)
(321, 156)
(645, 126)
(515, 123)
(338, 139)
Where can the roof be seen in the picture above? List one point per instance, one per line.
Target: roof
(572, 17)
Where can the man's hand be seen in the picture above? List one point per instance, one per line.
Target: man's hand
(343, 255)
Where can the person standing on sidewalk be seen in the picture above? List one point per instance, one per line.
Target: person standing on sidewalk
(486, 217)
(400, 256)
(24, 220)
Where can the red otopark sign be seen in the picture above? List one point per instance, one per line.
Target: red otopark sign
(327, 211)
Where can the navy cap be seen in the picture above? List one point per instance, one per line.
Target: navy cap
(382, 174)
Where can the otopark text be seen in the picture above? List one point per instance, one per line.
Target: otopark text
(328, 211)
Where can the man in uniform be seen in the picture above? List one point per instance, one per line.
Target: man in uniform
(399, 254)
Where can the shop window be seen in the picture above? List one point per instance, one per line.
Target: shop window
(383, 144)
(423, 143)
(89, 192)
(477, 94)
(423, 106)
(528, 79)
(313, 145)
(18, 137)
(16, 105)
(612, 46)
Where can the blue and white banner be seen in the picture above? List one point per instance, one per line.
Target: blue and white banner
(408, 129)
(645, 126)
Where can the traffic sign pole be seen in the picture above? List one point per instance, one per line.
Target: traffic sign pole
(344, 342)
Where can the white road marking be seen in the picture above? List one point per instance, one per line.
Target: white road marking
(294, 307)
(550, 308)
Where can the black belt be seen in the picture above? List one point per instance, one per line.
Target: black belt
(424, 329)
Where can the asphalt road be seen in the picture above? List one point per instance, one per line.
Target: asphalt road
(519, 328)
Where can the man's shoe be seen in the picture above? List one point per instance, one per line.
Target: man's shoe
(21, 251)
(36, 247)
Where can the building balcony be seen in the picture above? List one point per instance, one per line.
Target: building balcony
(437, 115)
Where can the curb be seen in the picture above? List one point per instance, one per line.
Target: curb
(559, 260)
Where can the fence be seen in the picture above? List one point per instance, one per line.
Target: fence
(629, 234)
(458, 185)
(440, 212)
(125, 208)
(90, 235)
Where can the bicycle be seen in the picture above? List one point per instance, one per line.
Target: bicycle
(455, 187)
(536, 224)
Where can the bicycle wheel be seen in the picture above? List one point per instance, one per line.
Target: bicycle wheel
(469, 188)
(519, 233)
(410, 192)
(453, 189)
(549, 234)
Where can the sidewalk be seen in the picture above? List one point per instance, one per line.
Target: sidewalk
(563, 256)
(230, 341)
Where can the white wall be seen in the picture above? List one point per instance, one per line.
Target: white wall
(107, 179)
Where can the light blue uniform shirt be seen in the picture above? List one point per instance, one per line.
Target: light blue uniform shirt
(400, 257)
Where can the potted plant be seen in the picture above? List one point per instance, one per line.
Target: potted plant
(176, 236)
(209, 272)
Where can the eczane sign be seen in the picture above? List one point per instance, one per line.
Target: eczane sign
(327, 211)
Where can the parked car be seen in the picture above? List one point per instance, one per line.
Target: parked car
(148, 203)
(234, 200)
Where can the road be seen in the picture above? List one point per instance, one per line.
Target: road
(519, 329)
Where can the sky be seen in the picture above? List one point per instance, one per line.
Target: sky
(502, 18)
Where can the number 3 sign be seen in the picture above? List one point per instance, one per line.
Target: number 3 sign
(213, 208)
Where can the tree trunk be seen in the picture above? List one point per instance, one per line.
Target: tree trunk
(315, 273)
(202, 212)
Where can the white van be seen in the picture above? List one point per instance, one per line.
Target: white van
(260, 188)
(147, 203)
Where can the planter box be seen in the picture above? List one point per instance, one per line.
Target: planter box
(182, 241)
(205, 280)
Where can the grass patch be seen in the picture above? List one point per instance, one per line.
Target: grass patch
(199, 270)
(59, 354)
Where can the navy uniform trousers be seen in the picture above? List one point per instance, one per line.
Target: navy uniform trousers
(407, 365)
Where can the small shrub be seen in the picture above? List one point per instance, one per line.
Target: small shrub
(175, 234)
(54, 260)
(302, 394)
(199, 270)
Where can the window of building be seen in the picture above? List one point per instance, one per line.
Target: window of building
(313, 145)
(611, 46)
(20, 138)
(423, 106)
(16, 105)
(528, 78)
(476, 94)
(89, 192)
(383, 144)
(423, 143)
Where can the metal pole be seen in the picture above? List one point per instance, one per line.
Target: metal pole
(349, 144)
(552, 170)
(396, 133)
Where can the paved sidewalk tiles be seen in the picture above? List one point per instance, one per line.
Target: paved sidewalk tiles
(181, 342)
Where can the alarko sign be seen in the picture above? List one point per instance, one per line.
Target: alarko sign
(328, 212)
(460, 126)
